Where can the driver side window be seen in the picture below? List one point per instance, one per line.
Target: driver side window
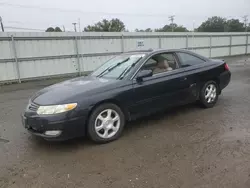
(161, 63)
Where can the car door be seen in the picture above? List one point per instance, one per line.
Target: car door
(161, 90)
(192, 65)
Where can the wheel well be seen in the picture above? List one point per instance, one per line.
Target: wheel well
(218, 83)
(215, 80)
(117, 103)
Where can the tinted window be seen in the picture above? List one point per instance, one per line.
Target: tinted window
(161, 63)
(189, 60)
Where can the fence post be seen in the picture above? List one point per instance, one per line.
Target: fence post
(16, 59)
(122, 42)
(81, 69)
(187, 42)
(230, 47)
(160, 45)
(246, 43)
(210, 46)
(193, 46)
(77, 56)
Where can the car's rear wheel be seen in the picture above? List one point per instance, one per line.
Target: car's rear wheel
(209, 94)
(106, 123)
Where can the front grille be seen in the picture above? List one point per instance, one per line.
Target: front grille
(33, 107)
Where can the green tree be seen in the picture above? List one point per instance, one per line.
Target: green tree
(51, 29)
(146, 30)
(166, 28)
(180, 28)
(172, 27)
(213, 24)
(234, 25)
(113, 25)
(219, 24)
(58, 29)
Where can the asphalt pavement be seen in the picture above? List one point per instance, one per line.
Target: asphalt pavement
(184, 147)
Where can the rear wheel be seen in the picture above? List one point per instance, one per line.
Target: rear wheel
(209, 94)
(106, 123)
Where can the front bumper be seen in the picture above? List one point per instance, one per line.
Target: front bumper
(68, 127)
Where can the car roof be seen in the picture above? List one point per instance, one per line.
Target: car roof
(153, 51)
(157, 50)
(138, 52)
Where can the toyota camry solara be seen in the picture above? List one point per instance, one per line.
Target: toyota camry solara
(128, 86)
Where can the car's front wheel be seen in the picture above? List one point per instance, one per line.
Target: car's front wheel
(106, 123)
(209, 94)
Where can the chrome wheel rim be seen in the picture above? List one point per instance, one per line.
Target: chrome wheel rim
(107, 123)
(210, 93)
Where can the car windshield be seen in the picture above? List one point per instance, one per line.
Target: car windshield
(118, 66)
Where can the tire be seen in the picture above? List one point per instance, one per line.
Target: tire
(204, 101)
(110, 128)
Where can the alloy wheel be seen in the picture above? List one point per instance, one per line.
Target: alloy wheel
(210, 93)
(107, 123)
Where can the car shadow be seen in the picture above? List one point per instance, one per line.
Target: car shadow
(130, 128)
(157, 118)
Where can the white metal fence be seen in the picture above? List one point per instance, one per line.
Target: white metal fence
(34, 55)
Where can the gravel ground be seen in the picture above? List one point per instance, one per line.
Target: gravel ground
(184, 147)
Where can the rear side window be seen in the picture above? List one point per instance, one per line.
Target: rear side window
(187, 60)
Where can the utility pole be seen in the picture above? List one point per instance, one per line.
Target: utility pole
(63, 28)
(171, 18)
(74, 26)
(79, 24)
(1, 23)
(245, 21)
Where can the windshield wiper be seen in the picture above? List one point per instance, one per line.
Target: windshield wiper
(123, 74)
(111, 68)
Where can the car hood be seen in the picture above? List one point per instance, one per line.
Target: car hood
(67, 91)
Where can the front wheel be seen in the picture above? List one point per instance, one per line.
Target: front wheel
(209, 94)
(106, 123)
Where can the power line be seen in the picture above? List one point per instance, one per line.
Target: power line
(44, 23)
(80, 11)
(23, 28)
(27, 22)
(15, 22)
(100, 13)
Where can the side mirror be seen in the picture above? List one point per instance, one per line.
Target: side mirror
(144, 74)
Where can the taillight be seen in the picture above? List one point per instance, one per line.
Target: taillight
(226, 67)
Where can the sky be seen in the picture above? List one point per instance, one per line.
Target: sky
(142, 14)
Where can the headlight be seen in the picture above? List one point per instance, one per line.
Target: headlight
(56, 109)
